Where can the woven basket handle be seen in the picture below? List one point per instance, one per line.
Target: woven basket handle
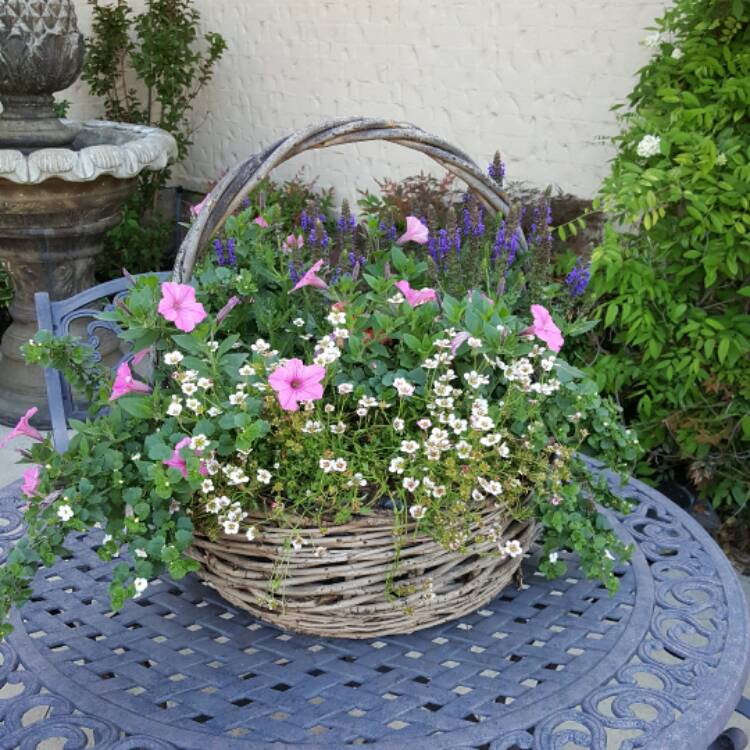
(228, 194)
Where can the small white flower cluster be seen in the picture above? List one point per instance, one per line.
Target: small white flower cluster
(229, 514)
(649, 145)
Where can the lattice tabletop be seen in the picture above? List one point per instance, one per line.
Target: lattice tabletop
(553, 665)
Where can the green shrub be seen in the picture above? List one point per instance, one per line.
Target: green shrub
(673, 274)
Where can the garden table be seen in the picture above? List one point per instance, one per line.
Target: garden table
(552, 665)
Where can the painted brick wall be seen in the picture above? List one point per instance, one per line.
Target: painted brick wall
(534, 78)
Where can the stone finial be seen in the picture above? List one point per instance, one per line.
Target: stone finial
(41, 51)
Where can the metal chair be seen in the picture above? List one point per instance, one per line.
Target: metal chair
(58, 317)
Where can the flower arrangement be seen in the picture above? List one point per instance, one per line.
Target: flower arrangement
(310, 375)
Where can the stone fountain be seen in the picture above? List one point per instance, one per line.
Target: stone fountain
(62, 183)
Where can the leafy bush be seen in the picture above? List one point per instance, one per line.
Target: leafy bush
(147, 70)
(674, 270)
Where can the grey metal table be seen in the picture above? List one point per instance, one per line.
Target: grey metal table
(554, 665)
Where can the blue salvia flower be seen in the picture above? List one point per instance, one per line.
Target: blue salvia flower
(336, 275)
(497, 174)
(467, 220)
(392, 233)
(312, 238)
(305, 221)
(324, 238)
(246, 202)
(499, 246)
(578, 279)
(352, 222)
(457, 241)
(443, 244)
(352, 260)
(231, 244)
(293, 275)
(219, 251)
(432, 249)
(478, 229)
(514, 244)
(341, 223)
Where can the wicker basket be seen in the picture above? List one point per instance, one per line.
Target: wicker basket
(346, 583)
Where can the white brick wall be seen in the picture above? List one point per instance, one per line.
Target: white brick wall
(535, 78)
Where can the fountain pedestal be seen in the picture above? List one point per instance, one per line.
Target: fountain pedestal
(62, 183)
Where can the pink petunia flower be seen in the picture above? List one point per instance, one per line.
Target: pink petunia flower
(23, 428)
(292, 243)
(138, 357)
(311, 278)
(125, 383)
(415, 232)
(31, 481)
(261, 222)
(176, 461)
(295, 382)
(544, 328)
(458, 339)
(416, 297)
(179, 306)
(198, 207)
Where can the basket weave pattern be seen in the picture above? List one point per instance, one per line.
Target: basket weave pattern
(344, 591)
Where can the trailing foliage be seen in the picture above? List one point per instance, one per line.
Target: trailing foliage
(674, 271)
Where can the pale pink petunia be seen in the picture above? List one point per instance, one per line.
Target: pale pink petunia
(261, 222)
(232, 302)
(31, 481)
(544, 328)
(198, 207)
(458, 339)
(292, 243)
(295, 382)
(179, 306)
(415, 232)
(176, 461)
(23, 428)
(125, 383)
(311, 278)
(416, 297)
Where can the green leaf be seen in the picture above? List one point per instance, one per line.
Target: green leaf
(137, 406)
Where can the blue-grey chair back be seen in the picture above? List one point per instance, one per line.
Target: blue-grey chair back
(58, 317)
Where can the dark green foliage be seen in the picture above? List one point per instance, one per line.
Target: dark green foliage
(673, 275)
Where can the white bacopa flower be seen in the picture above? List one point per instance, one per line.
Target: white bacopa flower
(430, 364)
(260, 346)
(319, 552)
(493, 487)
(513, 548)
(237, 476)
(336, 318)
(403, 387)
(207, 486)
(231, 527)
(213, 346)
(443, 389)
(410, 483)
(250, 533)
(609, 555)
(345, 388)
(477, 496)
(214, 411)
(141, 553)
(194, 405)
(189, 388)
(134, 457)
(649, 145)
(326, 464)
(260, 386)
(263, 476)
(398, 424)
(238, 398)
(199, 442)
(311, 426)
(463, 449)
(475, 380)
(190, 375)
(409, 446)
(339, 465)
(548, 363)
(553, 556)
(677, 53)
(65, 513)
(474, 343)
(298, 322)
(417, 512)
(361, 412)
(338, 429)
(205, 383)
(367, 402)
(397, 465)
(140, 584)
(107, 539)
(503, 450)
(329, 408)
(481, 422)
(175, 407)
(424, 423)
(492, 439)
(341, 333)
(432, 452)
(438, 491)
(397, 299)
(246, 371)
(173, 358)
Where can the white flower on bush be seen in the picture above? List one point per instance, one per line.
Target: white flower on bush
(231, 527)
(403, 387)
(260, 346)
(238, 398)
(397, 465)
(652, 40)
(206, 486)
(199, 442)
(263, 476)
(250, 533)
(214, 411)
(339, 465)
(311, 426)
(513, 548)
(237, 476)
(173, 358)
(417, 512)
(409, 446)
(553, 557)
(246, 371)
(140, 584)
(649, 146)
(336, 318)
(345, 388)
(175, 407)
(189, 388)
(677, 53)
(410, 483)
(141, 553)
(338, 429)
(398, 424)
(503, 450)
(205, 383)
(397, 299)
(65, 513)
(326, 464)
